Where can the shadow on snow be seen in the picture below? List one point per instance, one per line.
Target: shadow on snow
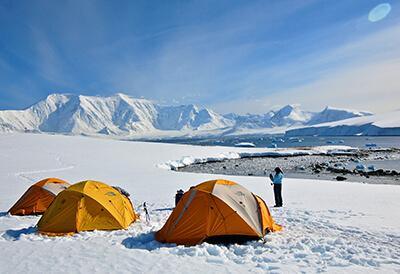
(147, 241)
(144, 241)
(15, 234)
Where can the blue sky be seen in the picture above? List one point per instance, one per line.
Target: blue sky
(231, 56)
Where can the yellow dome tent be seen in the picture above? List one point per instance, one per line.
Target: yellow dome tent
(217, 211)
(38, 197)
(88, 205)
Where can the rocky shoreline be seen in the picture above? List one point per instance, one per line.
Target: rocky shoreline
(379, 166)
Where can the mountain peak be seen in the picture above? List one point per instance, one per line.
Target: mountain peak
(290, 107)
(123, 96)
(129, 99)
(356, 112)
(54, 97)
(290, 115)
(331, 114)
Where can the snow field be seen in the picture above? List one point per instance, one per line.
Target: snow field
(331, 247)
(328, 226)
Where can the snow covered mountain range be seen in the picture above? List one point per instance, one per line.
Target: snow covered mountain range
(115, 115)
(122, 115)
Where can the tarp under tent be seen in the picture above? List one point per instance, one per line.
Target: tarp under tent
(217, 211)
(38, 197)
(88, 205)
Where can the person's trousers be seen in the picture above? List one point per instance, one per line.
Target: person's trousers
(278, 194)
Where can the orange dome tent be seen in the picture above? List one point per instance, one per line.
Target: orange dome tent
(88, 205)
(38, 197)
(217, 211)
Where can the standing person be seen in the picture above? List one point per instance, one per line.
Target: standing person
(277, 183)
(146, 213)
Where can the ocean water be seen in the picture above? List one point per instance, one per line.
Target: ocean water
(281, 141)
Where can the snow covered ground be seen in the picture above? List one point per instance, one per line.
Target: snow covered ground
(336, 227)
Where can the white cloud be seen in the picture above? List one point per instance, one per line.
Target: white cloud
(363, 74)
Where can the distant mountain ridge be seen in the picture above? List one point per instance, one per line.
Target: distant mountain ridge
(122, 115)
(331, 114)
(291, 116)
(114, 115)
(385, 124)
